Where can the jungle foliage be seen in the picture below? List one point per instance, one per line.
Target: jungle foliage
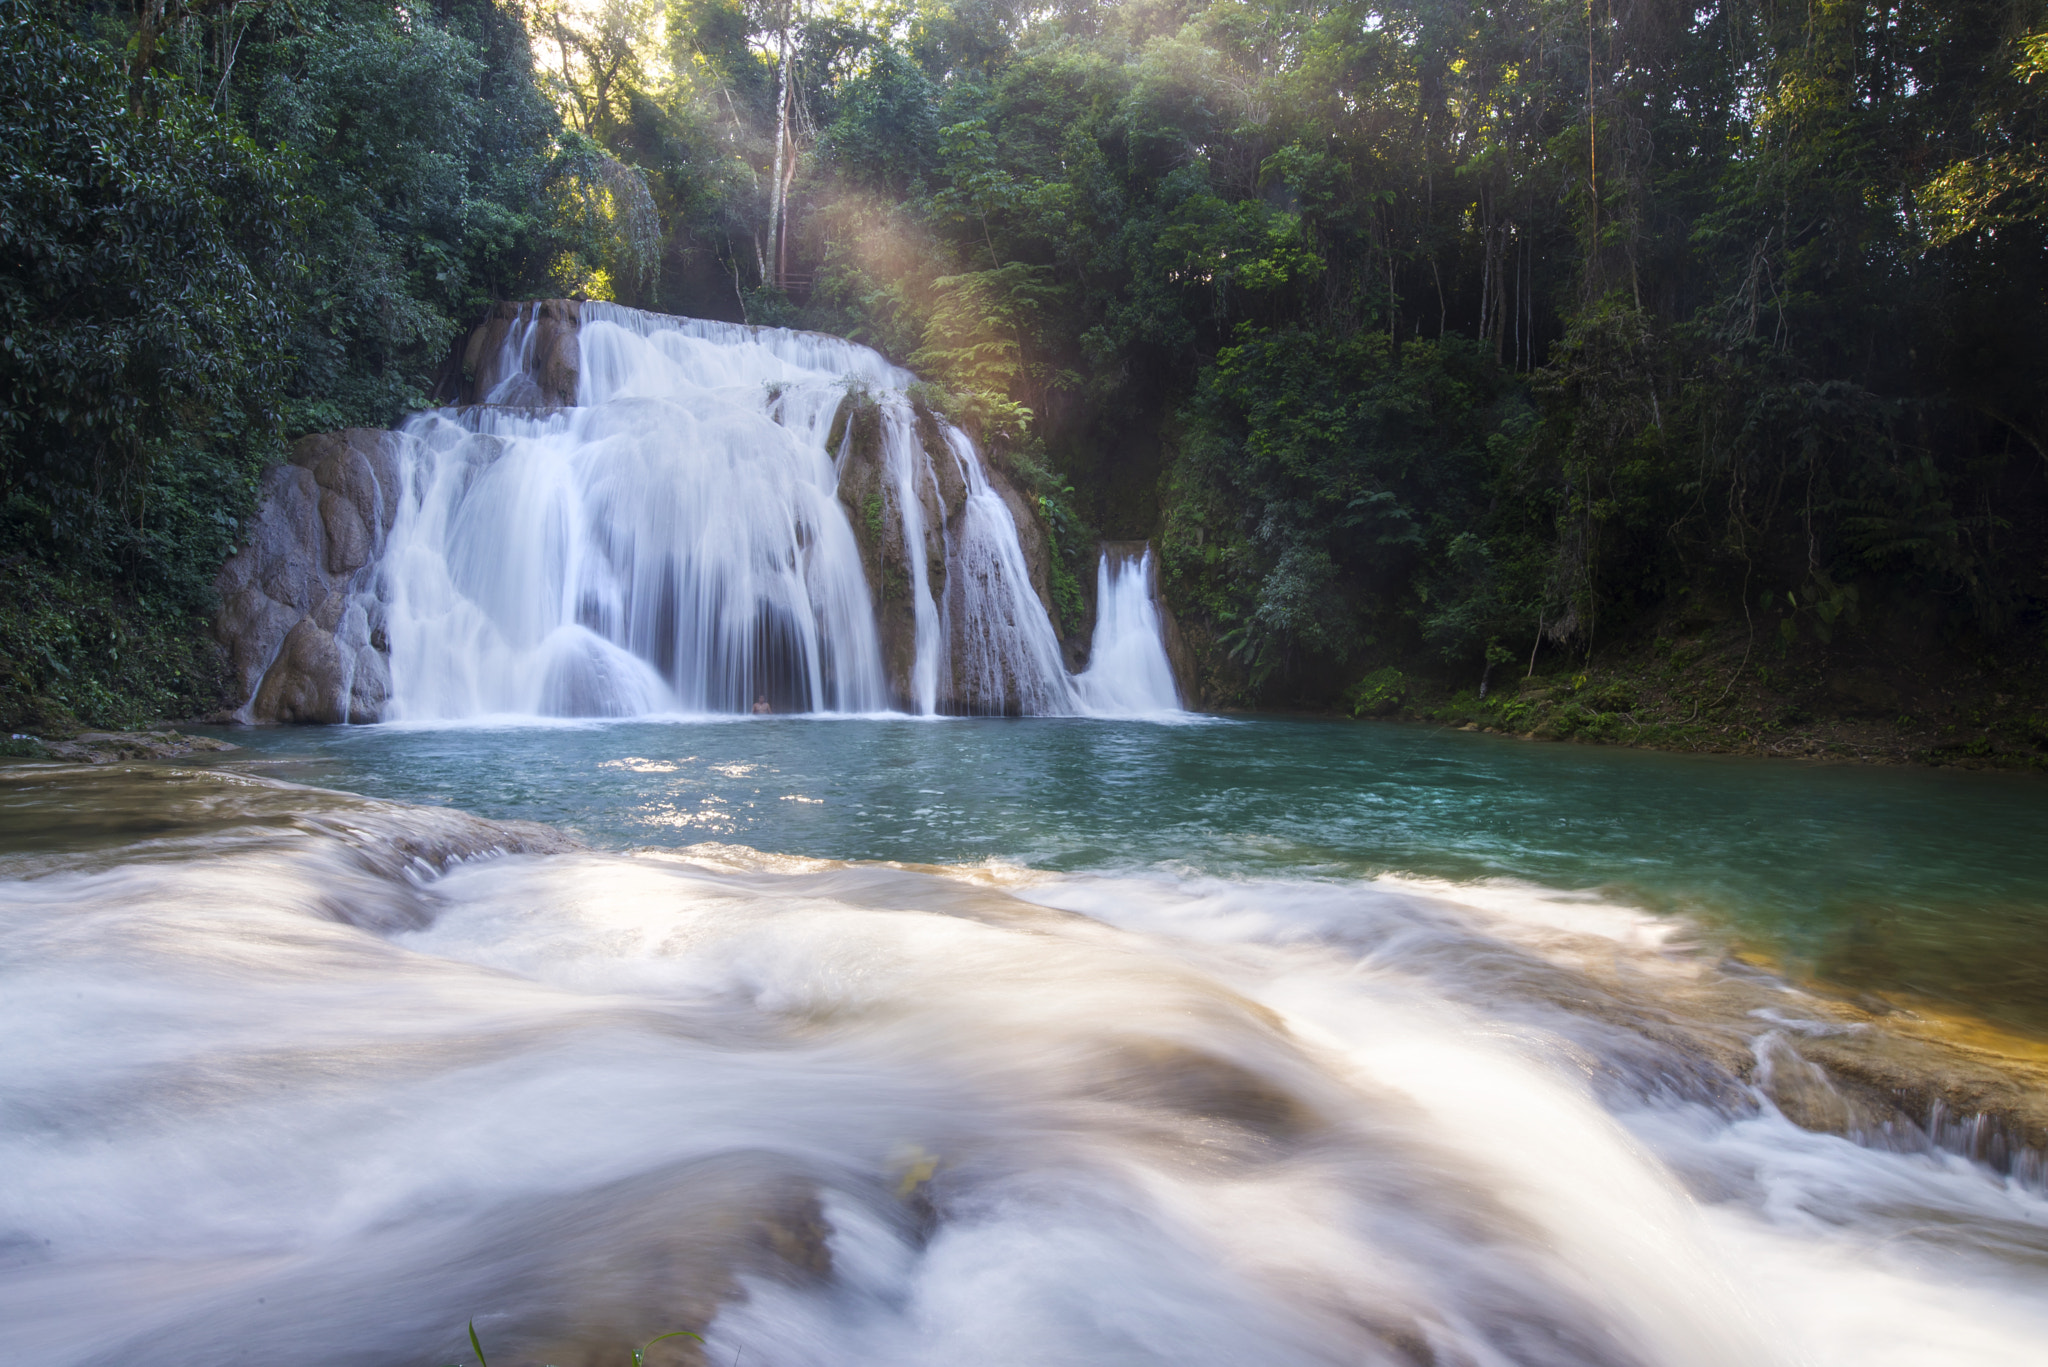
(1438, 331)
(1425, 329)
(228, 223)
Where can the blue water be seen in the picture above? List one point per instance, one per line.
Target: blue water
(1925, 883)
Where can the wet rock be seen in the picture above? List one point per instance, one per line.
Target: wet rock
(1031, 536)
(1909, 1081)
(871, 508)
(525, 354)
(654, 1254)
(952, 488)
(287, 522)
(1186, 662)
(296, 602)
(307, 681)
(112, 747)
(951, 496)
(370, 683)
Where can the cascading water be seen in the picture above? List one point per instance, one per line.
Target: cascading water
(1004, 643)
(1128, 672)
(680, 541)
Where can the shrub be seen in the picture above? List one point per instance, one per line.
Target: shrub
(1378, 693)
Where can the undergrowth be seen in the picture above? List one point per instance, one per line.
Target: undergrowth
(1706, 695)
(76, 652)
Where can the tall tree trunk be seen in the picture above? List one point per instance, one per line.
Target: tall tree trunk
(782, 235)
(151, 20)
(777, 205)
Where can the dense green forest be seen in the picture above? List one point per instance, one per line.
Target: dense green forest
(1420, 332)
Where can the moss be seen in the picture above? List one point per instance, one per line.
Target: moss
(1067, 599)
(860, 414)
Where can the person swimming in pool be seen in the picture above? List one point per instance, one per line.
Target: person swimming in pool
(761, 707)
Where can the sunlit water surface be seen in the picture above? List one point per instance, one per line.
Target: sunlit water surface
(1905, 880)
(1227, 1041)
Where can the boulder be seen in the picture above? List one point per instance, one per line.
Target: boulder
(525, 354)
(307, 682)
(297, 604)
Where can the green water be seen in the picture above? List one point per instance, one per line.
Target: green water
(1927, 883)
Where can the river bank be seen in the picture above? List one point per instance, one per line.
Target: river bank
(1717, 691)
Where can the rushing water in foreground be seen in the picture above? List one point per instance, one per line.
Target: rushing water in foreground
(1227, 1042)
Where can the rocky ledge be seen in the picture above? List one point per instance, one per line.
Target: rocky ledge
(114, 747)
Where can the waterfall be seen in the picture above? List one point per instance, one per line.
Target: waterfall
(687, 537)
(1004, 642)
(1128, 672)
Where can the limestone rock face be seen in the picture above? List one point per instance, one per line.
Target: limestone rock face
(871, 500)
(540, 366)
(300, 622)
(301, 616)
(1187, 668)
(871, 507)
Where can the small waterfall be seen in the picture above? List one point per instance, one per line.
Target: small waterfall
(1128, 672)
(1004, 646)
(684, 538)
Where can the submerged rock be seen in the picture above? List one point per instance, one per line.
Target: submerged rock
(112, 747)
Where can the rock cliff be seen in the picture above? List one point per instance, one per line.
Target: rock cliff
(871, 502)
(539, 368)
(299, 614)
(302, 629)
